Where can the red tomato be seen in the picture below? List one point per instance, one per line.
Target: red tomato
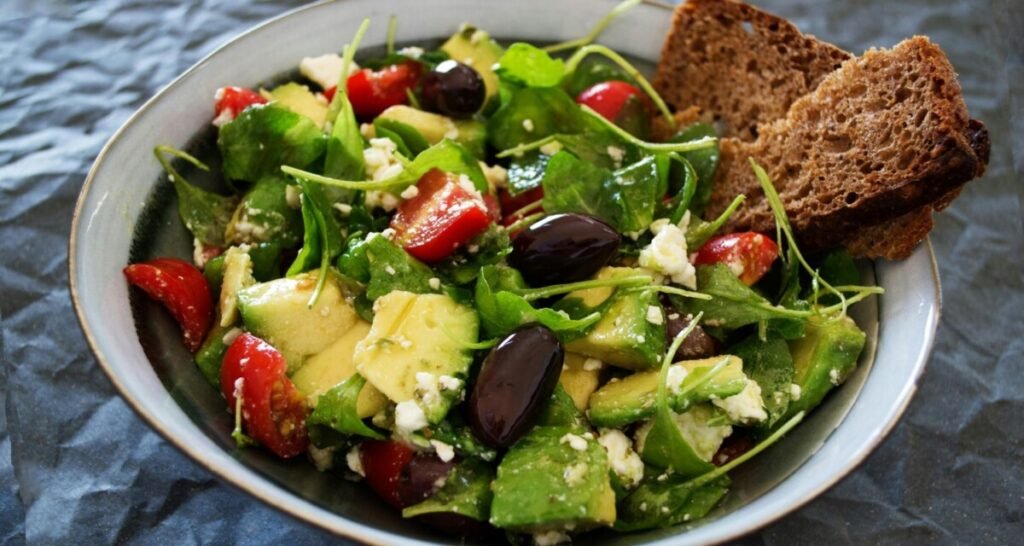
(273, 410)
(493, 207)
(373, 91)
(440, 218)
(607, 98)
(512, 203)
(329, 92)
(235, 99)
(383, 462)
(750, 255)
(182, 289)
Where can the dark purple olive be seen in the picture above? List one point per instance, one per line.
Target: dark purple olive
(421, 478)
(514, 382)
(696, 345)
(453, 89)
(563, 248)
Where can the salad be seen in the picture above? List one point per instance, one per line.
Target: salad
(468, 277)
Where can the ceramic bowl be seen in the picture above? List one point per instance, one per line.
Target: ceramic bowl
(126, 212)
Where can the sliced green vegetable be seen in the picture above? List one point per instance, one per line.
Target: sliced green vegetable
(261, 139)
(337, 409)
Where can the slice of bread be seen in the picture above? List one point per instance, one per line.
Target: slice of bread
(748, 69)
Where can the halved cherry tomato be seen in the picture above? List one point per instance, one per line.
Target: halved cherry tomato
(512, 203)
(383, 462)
(749, 255)
(182, 289)
(373, 91)
(273, 410)
(607, 98)
(329, 92)
(232, 100)
(493, 207)
(441, 217)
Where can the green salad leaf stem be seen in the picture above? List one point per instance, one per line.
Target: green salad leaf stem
(602, 24)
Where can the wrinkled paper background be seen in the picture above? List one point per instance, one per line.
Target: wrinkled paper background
(76, 465)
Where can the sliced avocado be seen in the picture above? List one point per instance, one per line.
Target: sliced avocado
(299, 99)
(211, 354)
(415, 334)
(699, 432)
(823, 359)
(328, 368)
(579, 378)
(278, 312)
(264, 215)
(471, 133)
(624, 336)
(237, 275)
(477, 49)
(633, 398)
(546, 483)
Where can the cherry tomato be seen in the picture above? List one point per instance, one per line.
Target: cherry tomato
(383, 462)
(513, 203)
(441, 217)
(182, 289)
(493, 207)
(608, 98)
(373, 91)
(750, 255)
(329, 92)
(232, 100)
(273, 410)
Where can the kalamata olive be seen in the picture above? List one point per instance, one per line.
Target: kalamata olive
(421, 478)
(563, 248)
(696, 345)
(453, 89)
(515, 381)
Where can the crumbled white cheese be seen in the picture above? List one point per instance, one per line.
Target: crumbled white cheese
(616, 154)
(467, 185)
(449, 383)
(528, 125)
(390, 270)
(380, 159)
(794, 392)
(667, 252)
(435, 283)
(676, 375)
(444, 451)
(833, 376)
(231, 335)
(745, 407)
(410, 192)
(324, 70)
(411, 52)
(477, 37)
(409, 417)
(551, 148)
(344, 208)
(428, 388)
(621, 457)
(367, 130)
(592, 365)
(381, 200)
(291, 196)
(576, 442)
(323, 459)
(575, 474)
(654, 315)
(355, 462)
(224, 117)
(550, 538)
(497, 176)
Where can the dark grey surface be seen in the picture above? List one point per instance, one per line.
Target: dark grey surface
(76, 465)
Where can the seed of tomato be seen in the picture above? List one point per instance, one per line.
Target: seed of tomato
(373, 91)
(443, 216)
(749, 255)
(182, 289)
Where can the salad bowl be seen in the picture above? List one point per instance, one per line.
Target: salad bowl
(124, 212)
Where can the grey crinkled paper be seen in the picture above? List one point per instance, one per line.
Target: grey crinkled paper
(76, 465)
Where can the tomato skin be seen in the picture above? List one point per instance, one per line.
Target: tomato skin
(273, 411)
(235, 99)
(383, 462)
(607, 98)
(182, 289)
(373, 91)
(749, 254)
(329, 92)
(440, 218)
(512, 203)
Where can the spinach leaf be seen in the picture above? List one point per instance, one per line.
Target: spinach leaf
(704, 161)
(489, 248)
(637, 189)
(532, 113)
(770, 364)
(592, 72)
(263, 215)
(392, 268)
(321, 248)
(405, 135)
(448, 156)
(732, 304)
(336, 409)
(309, 255)
(454, 431)
(466, 491)
(345, 145)
(262, 139)
(502, 311)
(836, 268)
(204, 213)
(353, 262)
(530, 66)
(527, 172)
(654, 504)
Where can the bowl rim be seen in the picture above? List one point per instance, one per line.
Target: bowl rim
(359, 531)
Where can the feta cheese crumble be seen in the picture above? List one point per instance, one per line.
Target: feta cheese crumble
(621, 456)
(667, 252)
(497, 176)
(794, 392)
(409, 417)
(323, 459)
(705, 440)
(324, 70)
(528, 125)
(654, 315)
(550, 538)
(745, 407)
(575, 474)
(435, 283)
(410, 192)
(444, 451)
(676, 375)
(592, 365)
(551, 148)
(576, 442)
(616, 154)
(355, 462)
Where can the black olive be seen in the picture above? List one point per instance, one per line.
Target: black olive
(696, 345)
(421, 478)
(453, 89)
(563, 248)
(515, 381)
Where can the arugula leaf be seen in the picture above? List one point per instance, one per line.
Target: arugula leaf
(322, 240)
(345, 146)
(353, 262)
(636, 189)
(704, 161)
(532, 113)
(309, 255)
(527, 172)
(530, 66)
(204, 213)
(838, 269)
(733, 304)
(336, 409)
(263, 138)
(392, 268)
(502, 311)
(770, 364)
(699, 231)
(592, 72)
(405, 135)
(466, 491)
(654, 504)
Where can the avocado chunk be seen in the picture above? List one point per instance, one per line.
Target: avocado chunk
(278, 312)
(625, 336)
(823, 359)
(579, 378)
(299, 99)
(237, 275)
(634, 397)
(699, 429)
(477, 49)
(471, 134)
(328, 368)
(554, 478)
(417, 350)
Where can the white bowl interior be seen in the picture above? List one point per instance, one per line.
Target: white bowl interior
(170, 397)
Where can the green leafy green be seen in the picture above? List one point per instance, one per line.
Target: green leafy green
(211, 354)
(345, 146)
(451, 157)
(263, 215)
(204, 213)
(489, 248)
(699, 231)
(526, 173)
(403, 134)
(392, 268)
(466, 491)
(664, 503)
(336, 409)
(502, 311)
(527, 65)
(770, 364)
(454, 431)
(636, 189)
(353, 262)
(733, 304)
(704, 161)
(263, 138)
(309, 255)
(533, 113)
(838, 269)
(590, 73)
(321, 249)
